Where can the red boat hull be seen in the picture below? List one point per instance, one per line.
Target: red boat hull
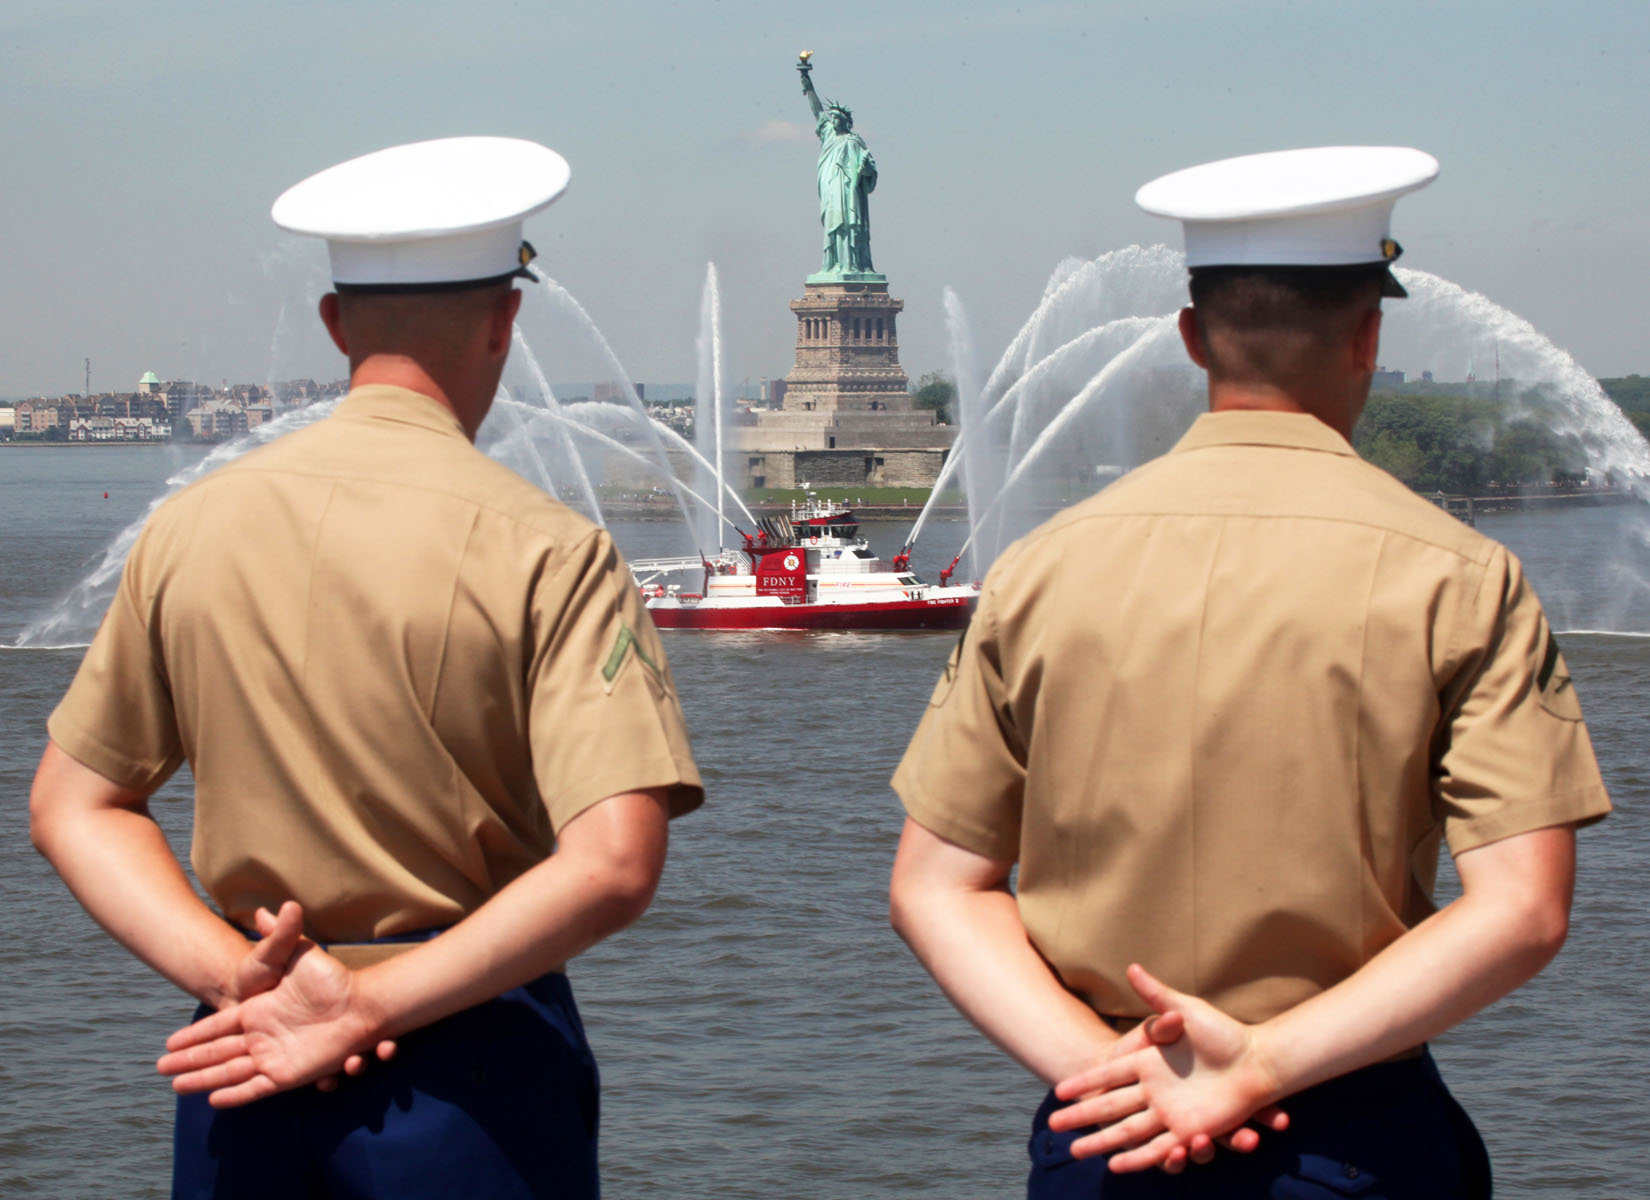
(890, 615)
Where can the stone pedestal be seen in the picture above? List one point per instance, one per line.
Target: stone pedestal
(847, 349)
(847, 418)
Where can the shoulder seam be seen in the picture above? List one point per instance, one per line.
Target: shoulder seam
(434, 489)
(1485, 548)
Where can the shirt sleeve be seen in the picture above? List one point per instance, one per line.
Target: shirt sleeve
(603, 713)
(963, 775)
(1516, 755)
(117, 716)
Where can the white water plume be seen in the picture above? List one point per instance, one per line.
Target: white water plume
(520, 445)
(1101, 431)
(1080, 295)
(1090, 312)
(982, 469)
(604, 427)
(708, 406)
(656, 434)
(1445, 328)
(1094, 383)
(521, 442)
(74, 619)
(555, 294)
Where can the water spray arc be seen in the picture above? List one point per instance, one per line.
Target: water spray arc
(581, 421)
(73, 619)
(1081, 358)
(554, 293)
(1443, 318)
(1094, 381)
(981, 469)
(657, 435)
(709, 403)
(593, 508)
(1090, 311)
(1160, 334)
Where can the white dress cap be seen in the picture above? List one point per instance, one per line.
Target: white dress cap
(1328, 206)
(439, 212)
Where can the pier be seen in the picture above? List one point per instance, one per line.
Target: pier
(1468, 508)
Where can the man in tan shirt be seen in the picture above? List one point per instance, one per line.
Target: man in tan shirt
(1221, 716)
(402, 677)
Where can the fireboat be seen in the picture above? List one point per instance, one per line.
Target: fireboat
(810, 570)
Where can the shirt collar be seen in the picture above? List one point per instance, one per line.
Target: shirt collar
(384, 402)
(1296, 431)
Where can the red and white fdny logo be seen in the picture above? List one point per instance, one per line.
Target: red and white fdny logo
(792, 562)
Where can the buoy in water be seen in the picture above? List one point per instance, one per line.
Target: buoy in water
(105, 495)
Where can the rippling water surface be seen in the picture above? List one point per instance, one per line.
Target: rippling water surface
(762, 1031)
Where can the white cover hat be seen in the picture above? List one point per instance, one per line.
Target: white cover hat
(443, 212)
(1322, 207)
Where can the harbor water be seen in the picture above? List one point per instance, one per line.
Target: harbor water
(762, 1031)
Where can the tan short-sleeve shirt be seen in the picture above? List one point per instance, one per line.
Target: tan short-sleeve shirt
(395, 668)
(1223, 712)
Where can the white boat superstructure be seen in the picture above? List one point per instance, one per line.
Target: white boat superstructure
(808, 570)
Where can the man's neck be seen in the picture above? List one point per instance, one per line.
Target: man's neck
(395, 370)
(1340, 413)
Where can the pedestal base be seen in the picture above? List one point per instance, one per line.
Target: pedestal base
(846, 277)
(847, 417)
(847, 348)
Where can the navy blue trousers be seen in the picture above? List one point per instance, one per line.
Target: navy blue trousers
(1390, 1131)
(499, 1100)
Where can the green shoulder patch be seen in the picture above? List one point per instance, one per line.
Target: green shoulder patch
(942, 689)
(625, 645)
(1553, 683)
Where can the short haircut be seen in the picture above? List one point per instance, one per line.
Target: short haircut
(430, 325)
(1279, 323)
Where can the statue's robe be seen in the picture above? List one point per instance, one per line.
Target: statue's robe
(847, 174)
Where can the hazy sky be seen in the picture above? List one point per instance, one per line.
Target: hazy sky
(144, 142)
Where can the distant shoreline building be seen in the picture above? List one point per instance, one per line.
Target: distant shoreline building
(159, 411)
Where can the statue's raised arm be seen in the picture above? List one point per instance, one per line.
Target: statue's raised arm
(805, 68)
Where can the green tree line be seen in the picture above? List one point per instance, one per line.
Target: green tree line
(1463, 444)
(1465, 439)
(1632, 394)
(937, 392)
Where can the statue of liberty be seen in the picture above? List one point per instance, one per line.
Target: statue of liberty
(847, 175)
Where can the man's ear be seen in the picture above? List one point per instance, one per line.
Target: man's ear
(1366, 341)
(504, 318)
(330, 318)
(1191, 336)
